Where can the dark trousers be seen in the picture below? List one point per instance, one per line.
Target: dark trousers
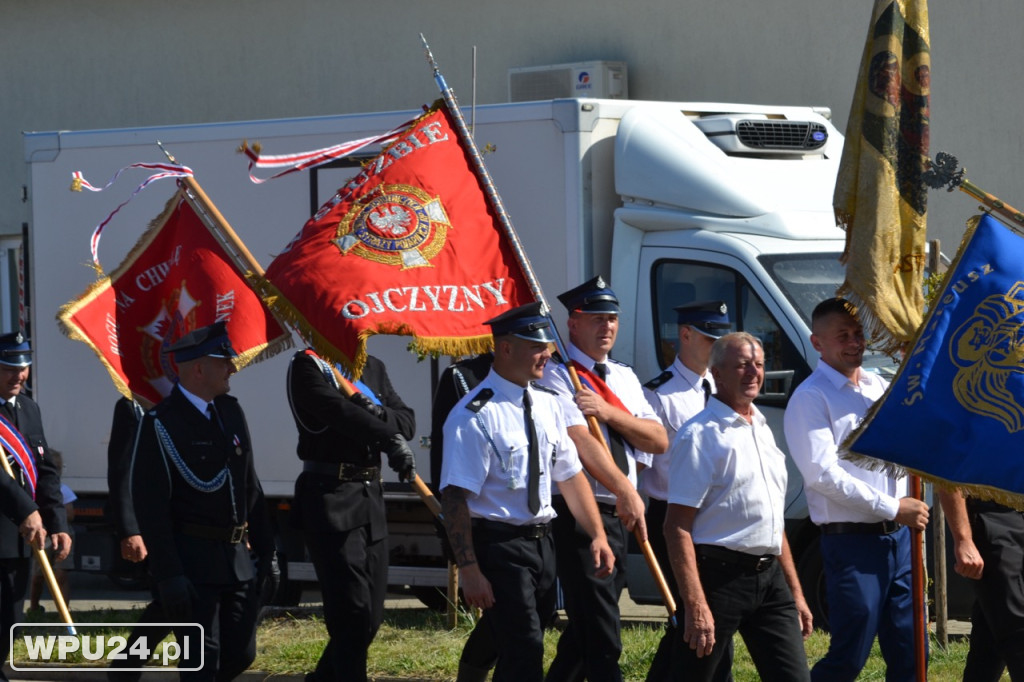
(869, 589)
(228, 615)
(661, 664)
(153, 634)
(522, 576)
(758, 605)
(353, 575)
(591, 643)
(997, 621)
(13, 583)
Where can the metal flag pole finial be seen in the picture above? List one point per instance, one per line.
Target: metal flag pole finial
(945, 171)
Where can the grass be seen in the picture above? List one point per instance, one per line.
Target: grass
(416, 643)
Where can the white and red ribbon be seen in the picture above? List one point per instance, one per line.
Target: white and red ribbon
(299, 161)
(165, 170)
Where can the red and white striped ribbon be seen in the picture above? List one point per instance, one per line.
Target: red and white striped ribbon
(78, 183)
(299, 161)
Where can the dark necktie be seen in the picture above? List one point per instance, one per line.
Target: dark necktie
(214, 416)
(615, 443)
(706, 385)
(9, 412)
(533, 465)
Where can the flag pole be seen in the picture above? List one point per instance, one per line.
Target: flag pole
(248, 261)
(44, 563)
(524, 262)
(945, 171)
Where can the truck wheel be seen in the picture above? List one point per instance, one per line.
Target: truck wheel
(811, 571)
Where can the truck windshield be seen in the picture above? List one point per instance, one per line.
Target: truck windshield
(806, 279)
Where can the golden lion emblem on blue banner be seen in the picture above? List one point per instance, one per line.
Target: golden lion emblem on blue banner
(988, 350)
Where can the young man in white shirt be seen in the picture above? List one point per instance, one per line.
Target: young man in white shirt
(863, 514)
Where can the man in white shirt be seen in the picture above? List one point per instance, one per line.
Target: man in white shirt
(591, 643)
(725, 530)
(505, 447)
(676, 395)
(863, 515)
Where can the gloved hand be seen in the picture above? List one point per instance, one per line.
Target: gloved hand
(176, 594)
(400, 457)
(363, 401)
(268, 576)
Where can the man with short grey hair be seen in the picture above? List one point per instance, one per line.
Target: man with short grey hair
(725, 529)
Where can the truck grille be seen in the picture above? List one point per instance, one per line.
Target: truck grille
(795, 135)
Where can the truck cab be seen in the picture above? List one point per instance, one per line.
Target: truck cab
(707, 215)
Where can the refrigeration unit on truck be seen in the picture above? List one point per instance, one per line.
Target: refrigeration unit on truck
(672, 201)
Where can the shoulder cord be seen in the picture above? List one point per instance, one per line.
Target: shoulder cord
(214, 484)
(328, 375)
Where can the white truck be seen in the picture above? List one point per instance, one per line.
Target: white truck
(673, 202)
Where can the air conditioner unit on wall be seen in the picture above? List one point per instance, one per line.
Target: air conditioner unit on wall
(600, 79)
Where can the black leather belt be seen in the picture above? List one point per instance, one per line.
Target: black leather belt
(880, 528)
(534, 531)
(607, 508)
(231, 534)
(742, 560)
(343, 471)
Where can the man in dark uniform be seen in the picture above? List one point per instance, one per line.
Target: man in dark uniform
(197, 501)
(988, 542)
(506, 444)
(121, 513)
(26, 521)
(339, 498)
(591, 643)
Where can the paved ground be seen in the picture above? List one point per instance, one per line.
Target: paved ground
(89, 591)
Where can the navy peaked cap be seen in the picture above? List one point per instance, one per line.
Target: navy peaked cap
(14, 350)
(708, 317)
(211, 341)
(526, 321)
(593, 296)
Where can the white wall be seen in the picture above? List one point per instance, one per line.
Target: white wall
(117, 63)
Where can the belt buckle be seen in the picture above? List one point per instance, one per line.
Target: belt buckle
(763, 563)
(237, 533)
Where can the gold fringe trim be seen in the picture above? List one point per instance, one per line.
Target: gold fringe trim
(981, 492)
(847, 450)
(67, 327)
(71, 330)
(284, 310)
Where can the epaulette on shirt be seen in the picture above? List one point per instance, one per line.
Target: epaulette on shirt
(620, 364)
(539, 387)
(657, 381)
(479, 400)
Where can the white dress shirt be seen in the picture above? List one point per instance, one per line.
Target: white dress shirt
(822, 412)
(732, 472)
(675, 401)
(485, 452)
(622, 382)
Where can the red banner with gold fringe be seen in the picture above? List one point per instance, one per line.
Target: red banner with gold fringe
(409, 246)
(177, 278)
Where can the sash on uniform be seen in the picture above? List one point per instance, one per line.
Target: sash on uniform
(598, 386)
(14, 445)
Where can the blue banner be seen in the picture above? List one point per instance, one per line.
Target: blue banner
(955, 411)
